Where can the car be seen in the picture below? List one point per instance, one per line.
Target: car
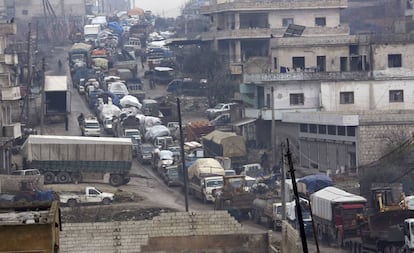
(28, 172)
(144, 153)
(219, 109)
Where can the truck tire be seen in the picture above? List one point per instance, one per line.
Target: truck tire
(116, 180)
(49, 177)
(72, 202)
(63, 177)
(76, 177)
(106, 201)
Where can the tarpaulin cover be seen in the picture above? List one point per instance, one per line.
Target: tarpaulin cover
(129, 100)
(156, 131)
(315, 183)
(204, 167)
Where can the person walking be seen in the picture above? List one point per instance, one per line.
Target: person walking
(60, 65)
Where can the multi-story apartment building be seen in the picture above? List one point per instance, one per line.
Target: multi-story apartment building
(9, 96)
(340, 99)
(242, 29)
(56, 19)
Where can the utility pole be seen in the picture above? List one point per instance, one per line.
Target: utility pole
(297, 200)
(185, 171)
(42, 100)
(283, 182)
(29, 72)
(273, 135)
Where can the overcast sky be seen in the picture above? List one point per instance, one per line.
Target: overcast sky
(167, 8)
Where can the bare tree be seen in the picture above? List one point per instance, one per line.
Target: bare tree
(208, 64)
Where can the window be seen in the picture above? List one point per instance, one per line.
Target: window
(298, 63)
(394, 61)
(320, 21)
(25, 12)
(350, 131)
(321, 63)
(313, 128)
(396, 96)
(341, 130)
(296, 99)
(322, 129)
(344, 64)
(331, 130)
(303, 128)
(287, 21)
(346, 97)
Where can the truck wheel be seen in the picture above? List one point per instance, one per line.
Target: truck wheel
(49, 177)
(106, 201)
(72, 203)
(63, 177)
(76, 177)
(116, 180)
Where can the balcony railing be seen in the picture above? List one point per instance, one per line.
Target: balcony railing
(303, 76)
(266, 33)
(8, 28)
(10, 93)
(248, 5)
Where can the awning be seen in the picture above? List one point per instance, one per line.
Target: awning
(244, 121)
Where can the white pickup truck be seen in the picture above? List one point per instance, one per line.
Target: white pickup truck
(92, 195)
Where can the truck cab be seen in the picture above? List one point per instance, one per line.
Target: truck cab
(135, 136)
(164, 142)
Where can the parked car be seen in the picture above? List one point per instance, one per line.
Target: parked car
(218, 109)
(91, 195)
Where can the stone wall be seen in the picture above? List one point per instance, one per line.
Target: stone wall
(377, 130)
(169, 232)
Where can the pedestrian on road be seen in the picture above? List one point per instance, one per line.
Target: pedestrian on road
(143, 59)
(60, 65)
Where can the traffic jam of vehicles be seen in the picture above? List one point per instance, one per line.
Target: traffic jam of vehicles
(124, 126)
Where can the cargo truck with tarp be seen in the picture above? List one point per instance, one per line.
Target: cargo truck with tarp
(231, 145)
(66, 159)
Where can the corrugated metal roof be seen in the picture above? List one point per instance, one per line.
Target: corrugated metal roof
(56, 83)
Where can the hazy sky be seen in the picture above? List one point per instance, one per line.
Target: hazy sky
(167, 8)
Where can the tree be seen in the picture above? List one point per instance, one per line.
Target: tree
(205, 63)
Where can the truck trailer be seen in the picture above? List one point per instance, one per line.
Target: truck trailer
(218, 143)
(335, 213)
(66, 159)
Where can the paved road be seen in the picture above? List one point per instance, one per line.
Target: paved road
(145, 182)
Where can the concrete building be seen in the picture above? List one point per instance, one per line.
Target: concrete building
(33, 228)
(340, 100)
(242, 29)
(55, 19)
(9, 96)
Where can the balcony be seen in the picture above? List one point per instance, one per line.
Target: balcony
(305, 76)
(8, 29)
(266, 113)
(264, 33)
(10, 93)
(11, 131)
(248, 5)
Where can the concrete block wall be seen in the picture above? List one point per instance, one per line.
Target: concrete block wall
(130, 236)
